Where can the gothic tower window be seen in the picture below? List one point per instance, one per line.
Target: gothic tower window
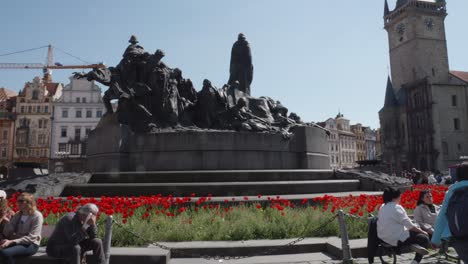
(454, 100)
(456, 124)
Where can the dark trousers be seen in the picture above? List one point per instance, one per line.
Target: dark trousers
(419, 239)
(461, 246)
(74, 253)
(7, 254)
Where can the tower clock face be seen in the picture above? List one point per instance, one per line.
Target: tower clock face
(400, 29)
(429, 22)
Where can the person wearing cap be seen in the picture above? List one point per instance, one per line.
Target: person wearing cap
(75, 234)
(5, 212)
(22, 234)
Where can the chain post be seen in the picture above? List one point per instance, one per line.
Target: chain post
(347, 257)
(108, 238)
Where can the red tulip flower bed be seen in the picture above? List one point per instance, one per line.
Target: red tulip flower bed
(166, 218)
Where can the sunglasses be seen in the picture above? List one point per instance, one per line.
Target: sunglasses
(21, 201)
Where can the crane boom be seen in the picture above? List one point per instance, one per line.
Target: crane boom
(42, 66)
(46, 68)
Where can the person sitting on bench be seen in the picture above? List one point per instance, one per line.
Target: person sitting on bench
(395, 228)
(75, 234)
(22, 235)
(5, 211)
(426, 212)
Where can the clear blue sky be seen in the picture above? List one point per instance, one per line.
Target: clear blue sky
(316, 57)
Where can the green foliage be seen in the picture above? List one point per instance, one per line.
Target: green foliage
(244, 222)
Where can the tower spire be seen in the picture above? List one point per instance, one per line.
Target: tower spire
(386, 9)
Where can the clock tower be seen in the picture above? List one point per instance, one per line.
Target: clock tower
(417, 43)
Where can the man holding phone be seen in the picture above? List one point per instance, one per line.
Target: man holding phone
(75, 234)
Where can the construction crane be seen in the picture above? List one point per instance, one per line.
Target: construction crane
(46, 68)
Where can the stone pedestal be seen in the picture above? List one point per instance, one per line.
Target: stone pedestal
(114, 147)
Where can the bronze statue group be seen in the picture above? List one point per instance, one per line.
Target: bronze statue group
(152, 96)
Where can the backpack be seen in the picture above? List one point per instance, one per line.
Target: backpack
(457, 213)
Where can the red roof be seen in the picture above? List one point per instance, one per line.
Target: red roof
(6, 94)
(460, 75)
(51, 87)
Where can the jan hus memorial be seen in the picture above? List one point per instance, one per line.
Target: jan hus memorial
(162, 123)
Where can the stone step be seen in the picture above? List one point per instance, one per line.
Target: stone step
(195, 249)
(118, 256)
(305, 258)
(213, 188)
(210, 176)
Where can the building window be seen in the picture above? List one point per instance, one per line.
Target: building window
(75, 149)
(444, 148)
(454, 100)
(46, 109)
(98, 113)
(87, 131)
(44, 123)
(5, 136)
(64, 113)
(22, 109)
(456, 124)
(62, 147)
(38, 109)
(77, 133)
(77, 99)
(4, 152)
(63, 132)
(29, 109)
(41, 139)
(89, 114)
(35, 95)
(83, 99)
(78, 114)
(40, 123)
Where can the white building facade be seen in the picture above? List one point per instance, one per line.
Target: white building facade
(370, 136)
(75, 114)
(333, 142)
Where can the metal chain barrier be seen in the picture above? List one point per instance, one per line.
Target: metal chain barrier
(262, 253)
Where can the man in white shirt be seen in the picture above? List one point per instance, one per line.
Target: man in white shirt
(394, 227)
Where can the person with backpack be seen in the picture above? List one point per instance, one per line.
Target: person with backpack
(451, 224)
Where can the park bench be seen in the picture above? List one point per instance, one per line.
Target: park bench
(384, 249)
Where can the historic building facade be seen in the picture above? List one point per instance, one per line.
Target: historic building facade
(33, 123)
(370, 140)
(358, 130)
(333, 142)
(424, 120)
(347, 142)
(7, 128)
(76, 113)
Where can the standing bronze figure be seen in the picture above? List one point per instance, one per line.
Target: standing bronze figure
(241, 68)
